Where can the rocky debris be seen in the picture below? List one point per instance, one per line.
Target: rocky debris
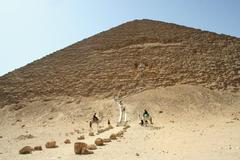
(81, 137)
(91, 134)
(137, 154)
(92, 147)
(100, 131)
(113, 136)
(126, 127)
(50, 118)
(23, 137)
(1, 137)
(26, 150)
(160, 111)
(51, 144)
(37, 148)
(77, 131)
(105, 129)
(99, 142)
(67, 141)
(106, 140)
(120, 134)
(81, 148)
(18, 120)
(236, 118)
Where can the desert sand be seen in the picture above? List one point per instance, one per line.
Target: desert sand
(190, 122)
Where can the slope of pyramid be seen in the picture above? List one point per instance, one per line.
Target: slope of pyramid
(137, 55)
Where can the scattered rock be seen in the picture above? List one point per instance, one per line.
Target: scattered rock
(37, 148)
(51, 144)
(236, 119)
(120, 134)
(23, 137)
(81, 137)
(91, 134)
(67, 141)
(50, 118)
(160, 112)
(26, 150)
(18, 120)
(77, 131)
(81, 148)
(230, 122)
(99, 142)
(113, 136)
(23, 126)
(92, 147)
(126, 127)
(137, 154)
(1, 137)
(106, 140)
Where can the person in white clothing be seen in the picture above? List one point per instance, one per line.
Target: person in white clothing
(122, 114)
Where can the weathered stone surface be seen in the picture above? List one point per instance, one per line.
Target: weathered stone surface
(26, 150)
(51, 144)
(137, 55)
(37, 148)
(99, 142)
(81, 148)
(113, 136)
(81, 137)
(91, 134)
(92, 147)
(67, 141)
(24, 137)
(120, 134)
(106, 140)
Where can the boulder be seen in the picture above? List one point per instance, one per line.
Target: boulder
(120, 134)
(99, 142)
(106, 140)
(51, 144)
(81, 148)
(92, 147)
(126, 127)
(37, 148)
(91, 134)
(113, 136)
(100, 131)
(81, 137)
(67, 141)
(26, 150)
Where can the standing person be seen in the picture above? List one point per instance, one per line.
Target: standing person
(122, 114)
(146, 117)
(95, 119)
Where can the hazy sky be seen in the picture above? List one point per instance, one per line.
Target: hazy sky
(31, 29)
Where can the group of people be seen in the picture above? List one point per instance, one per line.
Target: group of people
(145, 119)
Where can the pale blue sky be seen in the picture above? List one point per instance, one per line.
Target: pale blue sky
(31, 29)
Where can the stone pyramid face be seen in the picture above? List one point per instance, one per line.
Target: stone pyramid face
(132, 57)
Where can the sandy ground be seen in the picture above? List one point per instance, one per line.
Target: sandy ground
(195, 124)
